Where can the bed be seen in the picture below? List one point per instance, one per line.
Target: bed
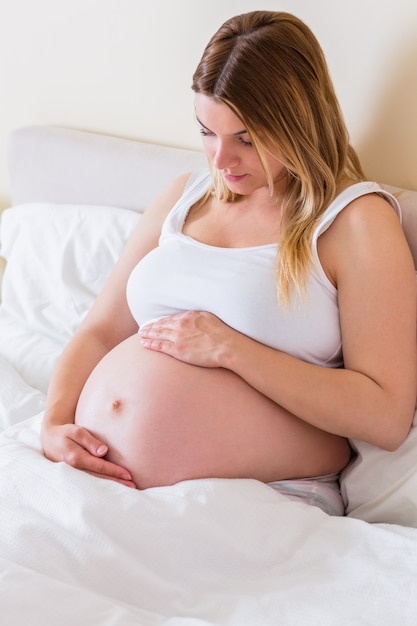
(76, 549)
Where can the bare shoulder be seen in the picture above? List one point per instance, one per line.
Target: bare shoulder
(149, 226)
(367, 212)
(367, 231)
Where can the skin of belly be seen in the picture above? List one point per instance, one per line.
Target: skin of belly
(167, 421)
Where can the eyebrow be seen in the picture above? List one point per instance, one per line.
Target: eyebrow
(237, 134)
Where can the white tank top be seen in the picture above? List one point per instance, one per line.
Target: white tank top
(239, 284)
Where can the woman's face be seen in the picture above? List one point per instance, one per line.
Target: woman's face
(227, 144)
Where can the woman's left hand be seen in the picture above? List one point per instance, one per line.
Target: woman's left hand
(195, 337)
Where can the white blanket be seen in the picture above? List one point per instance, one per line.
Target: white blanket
(82, 550)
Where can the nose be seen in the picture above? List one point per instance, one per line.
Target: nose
(224, 156)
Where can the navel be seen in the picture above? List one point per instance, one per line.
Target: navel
(117, 406)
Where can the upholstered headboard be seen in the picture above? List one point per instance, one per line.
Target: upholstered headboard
(52, 164)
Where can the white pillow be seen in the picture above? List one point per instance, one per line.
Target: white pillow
(381, 486)
(18, 400)
(58, 258)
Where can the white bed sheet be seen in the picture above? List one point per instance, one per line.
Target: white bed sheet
(223, 552)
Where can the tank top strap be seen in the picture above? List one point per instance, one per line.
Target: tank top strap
(339, 203)
(348, 195)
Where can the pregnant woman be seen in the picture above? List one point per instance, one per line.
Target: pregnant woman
(263, 311)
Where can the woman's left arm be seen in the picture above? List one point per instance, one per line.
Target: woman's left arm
(373, 398)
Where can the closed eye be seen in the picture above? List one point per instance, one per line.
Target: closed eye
(245, 142)
(205, 132)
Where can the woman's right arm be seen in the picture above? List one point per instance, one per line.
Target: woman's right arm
(107, 324)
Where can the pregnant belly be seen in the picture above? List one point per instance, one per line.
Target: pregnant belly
(167, 421)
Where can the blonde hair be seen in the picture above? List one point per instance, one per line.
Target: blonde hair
(269, 68)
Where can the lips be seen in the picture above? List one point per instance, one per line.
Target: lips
(233, 178)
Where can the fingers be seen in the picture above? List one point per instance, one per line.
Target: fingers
(169, 333)
(80, 449)
(126, 483)
(195, 337)
(159, 336)
(81, 459)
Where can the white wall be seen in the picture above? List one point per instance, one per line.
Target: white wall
(124, 67)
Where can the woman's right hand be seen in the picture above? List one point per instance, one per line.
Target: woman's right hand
(77, 447)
